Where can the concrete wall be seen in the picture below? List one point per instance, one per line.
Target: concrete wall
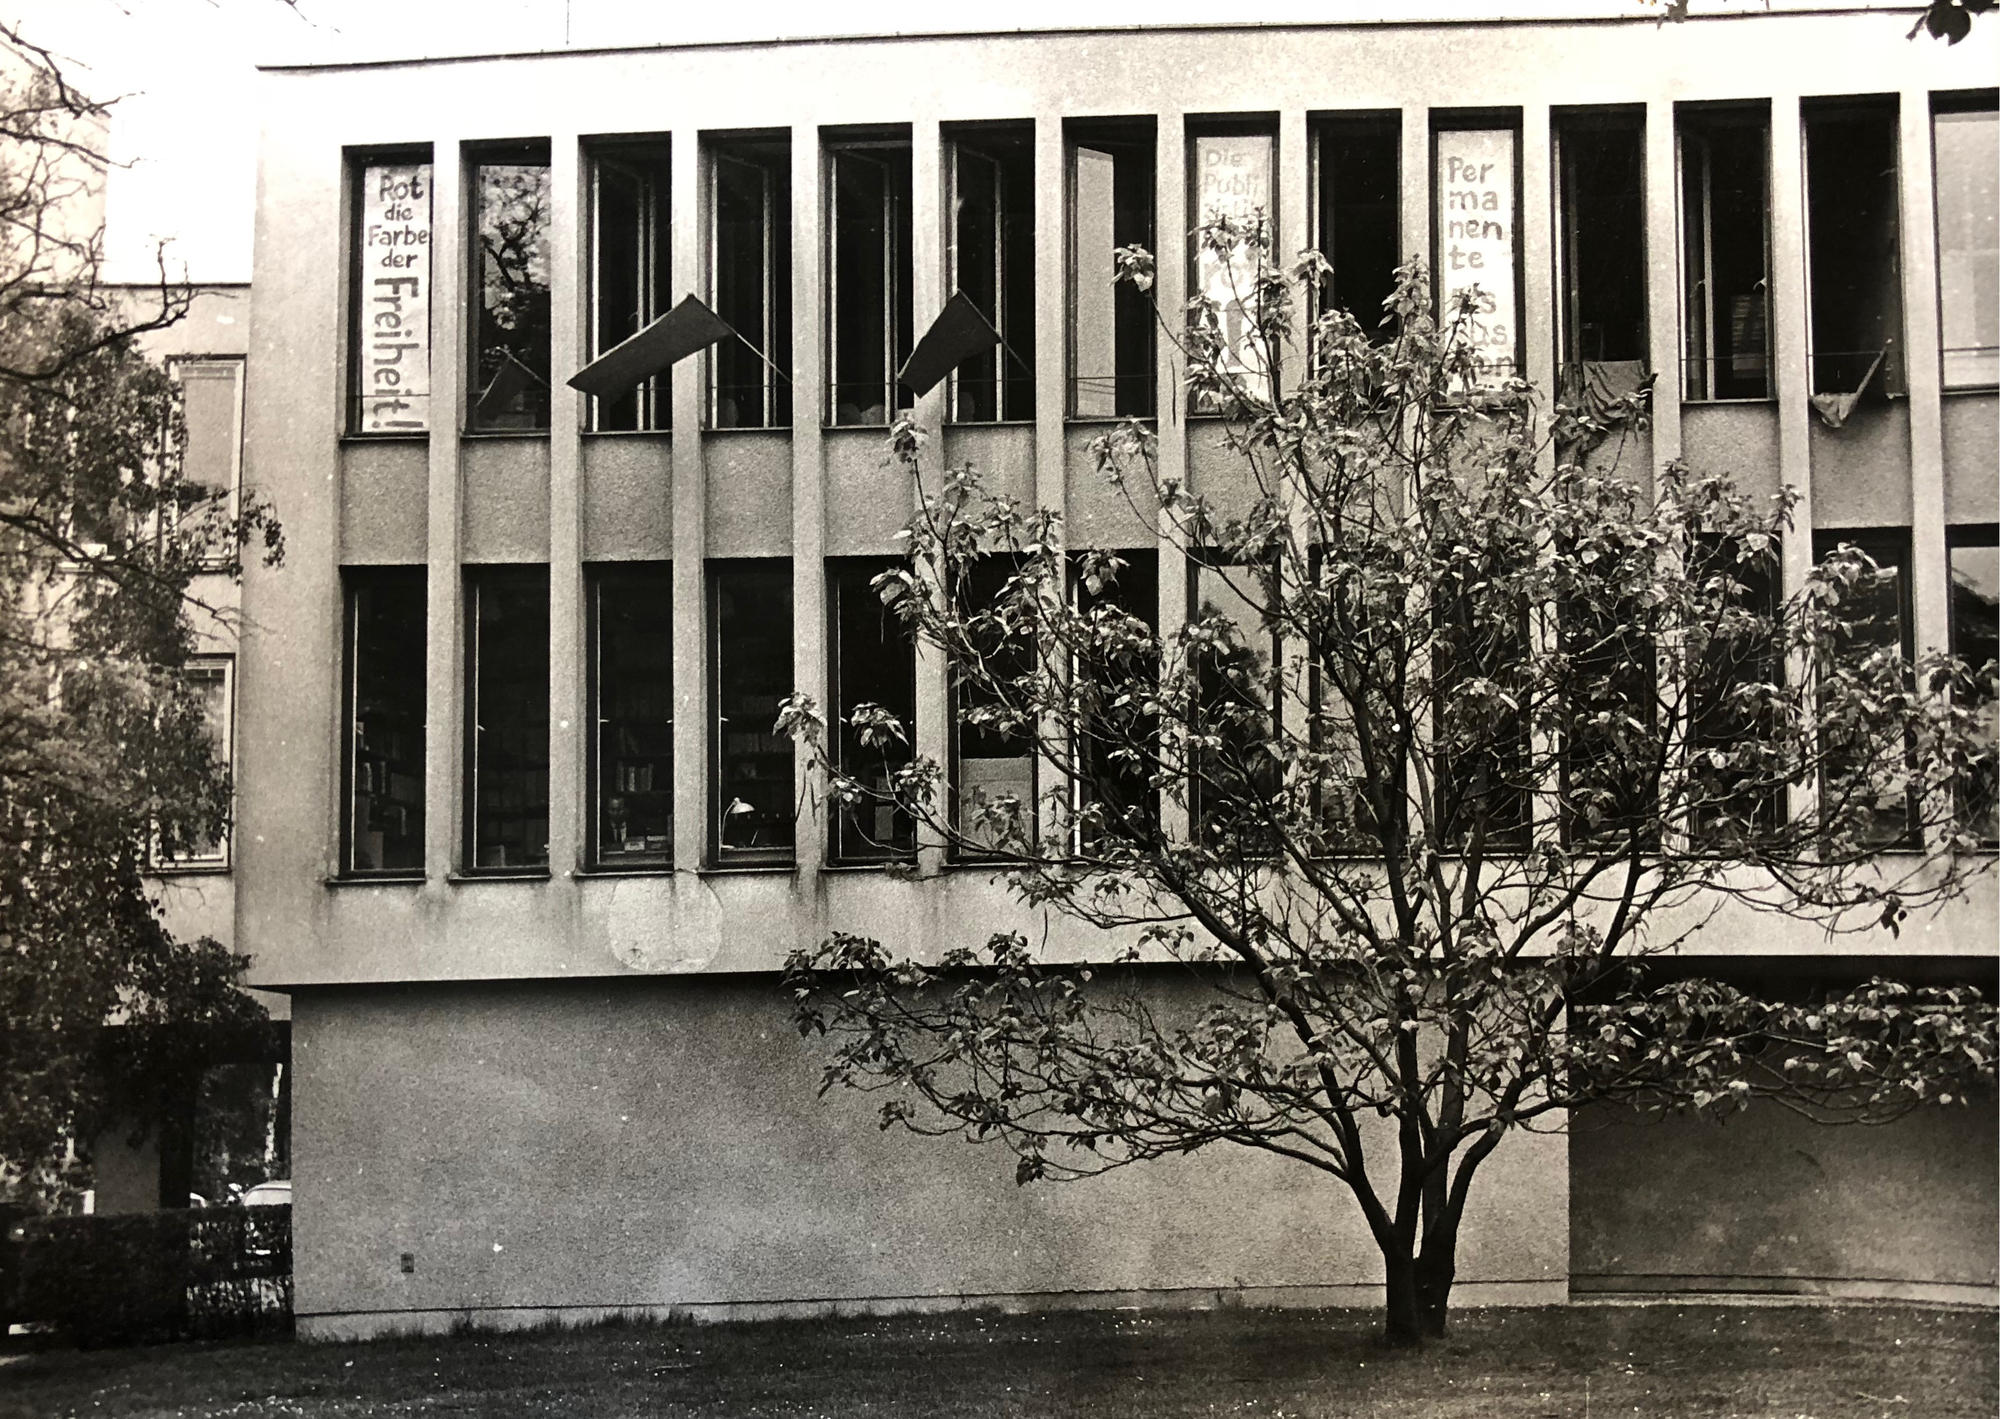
(539, 1148)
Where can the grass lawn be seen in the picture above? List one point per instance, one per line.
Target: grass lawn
(1781, 1361)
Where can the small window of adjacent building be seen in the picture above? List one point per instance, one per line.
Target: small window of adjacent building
(382, 764)
(868, 290)
(1116, 742)
(1232, 179)
(1600, 163)
(1875, 621)
(630, 193)
(874, 669)
(1853, 265)
(507, 719)
(509, 390)
(1236, 673)
(1725, 251)
(1965, 136)
(212, 408)
(991, 258)
(750, 277)
(992, 726)
(389, 333)
(1975, 642)
(632, 715)
(1111, 177)
(211, 678)
(1359, 176)
(750, 659)
(1732, 800)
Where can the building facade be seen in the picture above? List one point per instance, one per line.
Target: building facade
(514, 835)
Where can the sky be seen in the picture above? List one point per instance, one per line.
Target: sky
(184, 130)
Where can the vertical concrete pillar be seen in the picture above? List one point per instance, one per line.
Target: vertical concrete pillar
(1170, 198)
(443, 700)
(1930, 573)
(1294, 234)
(809, 394)
(1416, 184)
(1663, 325)
(1051, 186)
(1792, 358)
(928, 215)
(686, 264)
(1536, 224)
(567, 293)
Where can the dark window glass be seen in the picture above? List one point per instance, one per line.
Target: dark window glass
(1351, 670)
(632, 710)
(1854, 268)
(1111, 176)
(1975, 641)
(751, 791)
(507, 718)
(1733, 798)
(383, 766)
(992, 258)
(1117, 744)
(1602, 235)
(869, 295)
(993, 739)
(874, 663)
(1236, 704)
(630, 189)
(1858, 790)
(1485, 790)
(752, 279)
(510, 282)
(1611, 763)
(1726, 253)
(1360, 205)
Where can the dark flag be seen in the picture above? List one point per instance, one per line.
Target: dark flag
(959, 333)
(688, 327)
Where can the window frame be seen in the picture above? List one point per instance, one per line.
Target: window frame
(850, 577)
(1014, 387)
(1700, 122)
(961, 848)
(358, 161)
(353, 581)
(1481, 120)
(599, 579)
(1951, 105)
(719, 855)
(1885, 546)
(1971, 535)
(1138, 133)
(1270, 683)
(648, 163)
(477, 580)
(756, 152)
(1200, 128)
(1329, 129)
(165, 864)
(898, 268)
(1569, 124)
(520, 153)
(1147, 587)
(1892, 381)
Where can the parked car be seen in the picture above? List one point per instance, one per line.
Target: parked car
(269, 1194)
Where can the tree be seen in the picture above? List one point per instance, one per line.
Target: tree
(1463, 743)
(107, 553)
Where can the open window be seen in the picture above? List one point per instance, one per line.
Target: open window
(632, 715)
(1853, 263)
(992, 739)
(1111, 177)
(1115, 743)
(1965, 137)
(506, 719)
(750, 277)
(389, 293)
(1725, 220)
(511, 217)
(1733, 797)
(874, 663)
(1232, 184)
(868, 291)
(382, 754)
(1858, 789)
(1975, 642)
(991, 175)
(630, 192)
(1358, 174)
(1600, 159)
(750, 661)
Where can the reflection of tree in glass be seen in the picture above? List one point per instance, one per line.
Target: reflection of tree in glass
(513, 336)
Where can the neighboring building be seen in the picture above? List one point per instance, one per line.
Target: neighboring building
(513, 832)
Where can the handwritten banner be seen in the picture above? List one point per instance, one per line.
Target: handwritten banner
(1476, 235)
(1233, 180)
(394, 375)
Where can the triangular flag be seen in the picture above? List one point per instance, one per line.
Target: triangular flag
(1835, 410)
(959, 333)
(688, 327)
(507, 385)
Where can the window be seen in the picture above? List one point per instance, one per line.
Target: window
(630, 191)
(1484, 766)
(869, 291)
(1349, 691)
(1967, 144)
(507, 719)
(1117, 744)
(993, 743)
(1858, 791)
(632, 715)
(1735, 796)
(1975, 640)
(382, 765)
(1236, 673)
(874, 662)
(212, 407)
(389, 338)
(1852, 265)
(212, 681)
(1475, 196)
(750, 650)
(1232, 180)
(1111, 172)
(1725, 252)
(1611, 763)
(1360, 203)
(510, 281)
(1601, 238)
(991, 172)
(750, 275)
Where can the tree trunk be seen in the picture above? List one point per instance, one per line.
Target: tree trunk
(1419, 1289)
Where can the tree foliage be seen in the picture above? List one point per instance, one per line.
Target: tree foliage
(109, 561)
(1460, 741)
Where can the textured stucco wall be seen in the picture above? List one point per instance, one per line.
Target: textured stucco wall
(661, 1144)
